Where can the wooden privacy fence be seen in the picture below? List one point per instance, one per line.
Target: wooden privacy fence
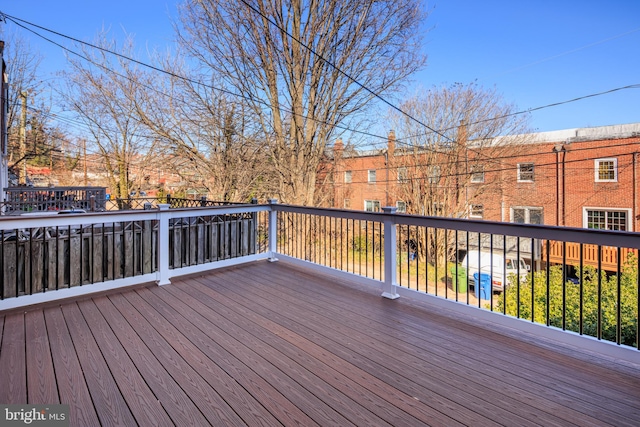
(203, 239)
(574, 254)
(40, 259)
(46, 258)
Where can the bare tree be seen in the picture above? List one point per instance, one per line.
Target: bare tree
(441, 169)
(301, 66)
(99, 91)
(22, 68)
(201, 135)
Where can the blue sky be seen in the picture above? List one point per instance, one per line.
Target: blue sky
(534, 52)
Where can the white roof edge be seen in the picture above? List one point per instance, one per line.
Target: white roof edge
(564, 135)
(611, 131)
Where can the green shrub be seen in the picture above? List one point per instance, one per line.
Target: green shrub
(607, 306)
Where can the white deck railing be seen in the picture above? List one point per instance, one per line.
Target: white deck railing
(576, 280)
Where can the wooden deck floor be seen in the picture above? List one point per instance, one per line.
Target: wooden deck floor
(271, 344)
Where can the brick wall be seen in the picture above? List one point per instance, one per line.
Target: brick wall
(558, 190)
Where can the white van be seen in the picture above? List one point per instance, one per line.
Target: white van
(494, 264)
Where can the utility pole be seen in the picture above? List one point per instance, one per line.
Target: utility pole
(23, 139)
(51, 165)
(84, 149)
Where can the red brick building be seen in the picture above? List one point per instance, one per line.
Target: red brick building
(585, 177)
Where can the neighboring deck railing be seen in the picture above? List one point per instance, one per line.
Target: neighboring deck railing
(135, 203)
(77, 254)
(40, 199)
(90, 199)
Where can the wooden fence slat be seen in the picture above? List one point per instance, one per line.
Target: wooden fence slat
(201, 240)
(97, 247)
(192, 245)
(129, 254)
(10, 272)
(74, 261)
(147, 247)
(37, 264)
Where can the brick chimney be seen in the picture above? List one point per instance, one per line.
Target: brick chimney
(463, 133)
(391, 144)
(338, 149)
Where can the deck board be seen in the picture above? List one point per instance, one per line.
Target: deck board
(72, 387)
(150, 394)
(13, 372)
(218, 360)
(300, 350)
(493, 351)
(248, 352)
(108, 401)
(272, 344)
(407, 368)
(158, 354)
(41, 383)
(328, 361)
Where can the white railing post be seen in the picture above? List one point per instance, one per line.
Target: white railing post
(163, 245)
(390, 245)
(273, 231)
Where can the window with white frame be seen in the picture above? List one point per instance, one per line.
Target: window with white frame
(607, 219)
(347, 177)
(526, 215)
(606, 170)
(525, 172)
(372, 205)
(434, 175)
(403, 174)
(402, 206)
(347, 203)
(476, 211)
(477, 173)
(371, 177)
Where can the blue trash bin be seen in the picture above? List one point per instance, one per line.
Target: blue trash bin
(483, 289)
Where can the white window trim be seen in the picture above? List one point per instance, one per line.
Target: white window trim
(534, 172)
(471, 215)
(373, 202)
(608, 209)
(375, 178)
(479, 171)
(350, 175)
(402, 170)
(398, 207)
(434, 175)
(527, 212)
(596, 164)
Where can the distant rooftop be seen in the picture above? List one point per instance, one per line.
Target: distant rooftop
(582, 134)
(564, 135)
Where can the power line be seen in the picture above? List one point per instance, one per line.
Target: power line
(398, 140)
(554, 104)
(189, 80)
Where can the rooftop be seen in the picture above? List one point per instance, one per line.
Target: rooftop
(276, 344)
